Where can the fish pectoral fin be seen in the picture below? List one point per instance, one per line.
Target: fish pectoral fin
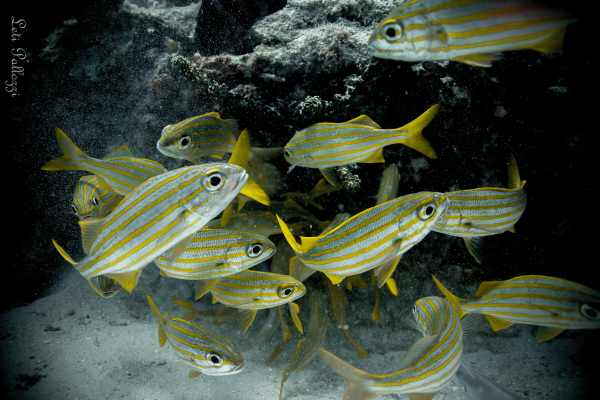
(497, 323)
(355, 280)
(478, 60)
(330, 175)
(546, 333)
(254, 191)
(89, 228)
(183, 303)
(375, 157)
(194, 374)
(335, 279)
(475, 247)
(248, 320)
(121, 152)
(227, 214)
(294, 310)
(96, 288)
(276, 352)
(389, 264)
(173, 253)
(285, 329)
(127, 280)
(416, 351)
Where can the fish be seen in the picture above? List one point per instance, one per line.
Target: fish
(476, 213)
(478, 387)
(375, 238)
(468, 31)
(204, 351)
(160, 215)
(554, 304)
(254, 290)
(118, 171)
(255, 222)
(219, 317)
(322, 187)
(215, 253)
(106, 287)
(280, 265)
(91, 200)
(306, 349)
(388, 187)
(360, 140)
(427, 367)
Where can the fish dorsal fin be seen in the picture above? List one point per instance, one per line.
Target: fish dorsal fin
(248, 319)
(184, 304)
(375, 157)
(478, 60)
(194, 374)
(241, 151)
(204, 286)
(363, 120)
(475, 247)
(330, 176)
(497, 323)
(285, 329)
(416, 351)
(335, 279)
(514, 180)
(173, 253)
(232, 124)
(546, 333)
(389, 264)
(127, 280)
(294, 310)
(486, 287)
(89, 228)
(121, 152)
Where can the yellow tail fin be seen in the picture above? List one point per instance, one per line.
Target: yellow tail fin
(416, 140)
(358, 388)
(70, 159)
(454, 301)
(64, 253)
(298, 248)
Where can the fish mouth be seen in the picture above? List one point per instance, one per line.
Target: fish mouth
(165, 150)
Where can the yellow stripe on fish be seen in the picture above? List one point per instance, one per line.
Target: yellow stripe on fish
(374, 238)
(473, 214)
(255, 222)
(160, 215)
(91, 200)
(388, 187)
(327, 145)
(119, 171)
(202, 350)
(552, 303)
(468, 31)
(426, 368)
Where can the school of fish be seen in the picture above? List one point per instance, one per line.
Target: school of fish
(189, 222)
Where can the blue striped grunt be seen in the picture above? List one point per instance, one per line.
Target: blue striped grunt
(118, 171)
(374, 238)
(204, 351)
(476, 213)
(219, 317)
(360, 140)
(160, 215)
(552, 303)
(468, 31)
(388, 187)
(255, 222)
(427, 367)
(91, 200)
(106, 287)
(306, 349)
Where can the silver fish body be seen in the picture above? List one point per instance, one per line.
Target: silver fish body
(388, 187)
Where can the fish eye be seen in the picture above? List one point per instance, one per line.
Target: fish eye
(74, 208)
(214, 359)
(286, 291)
(426, 211)
(213, 181)
(254, 250)
(589, 312)
(184, 142)
(95, 201)
(287, 153)
(393, 31)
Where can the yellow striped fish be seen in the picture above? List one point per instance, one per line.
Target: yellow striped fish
(360, 140)
(552, 303)
(388, 187)
(91, 200)
(306, 349)
(219, 317)
(425, 369)
(161, 214)
(106, 287)
(321, 188)
(474, 214)
(255, 222)
(468, 31)
(118, 171)
(374, 238)
(204, 351)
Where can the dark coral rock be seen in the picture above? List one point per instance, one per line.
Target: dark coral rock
(223, 23)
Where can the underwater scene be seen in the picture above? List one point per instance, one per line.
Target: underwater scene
(299, 200)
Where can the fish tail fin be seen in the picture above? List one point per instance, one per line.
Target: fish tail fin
(454, 301)
(416, 140)
(514, 179)
(297, 247)
(64, 254)
(358, 388)
(71, 154)
(162, 334)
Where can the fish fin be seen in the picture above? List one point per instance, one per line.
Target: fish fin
(454, 301)
(363, 120)
(359, 388)
(478, 60)
(161, 272)
(416, 351)
(127, 280)
(485, 287)
(241, 151)
(389, 264)
(232, 124)
(299, 248)
(89, 228)
(391, 285)
(241, 203)
(121, 152)
(285, 329)
(335, 279)
(162, 335)
(294, 310)
(357, 281)
(173, 253)
(514, 179)
(255, 192)
(375, 157)
(554, 44)
(512, 229)
(468, 323)
(497, 323)
(96, 288)
(71, 154)
(546, 333)
(64, 253)
(191, 315)
(194, 374)
(362, 353)
(183, 303)
(421, 396)
(415, 139)
(276, 352)
(214, 299)
(475, 247)
(204, 286)
(248, 320)
(330, 176)
(227, 213)
(261, 154)
(376, 314)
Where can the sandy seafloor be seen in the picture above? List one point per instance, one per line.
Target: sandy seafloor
(108, 348)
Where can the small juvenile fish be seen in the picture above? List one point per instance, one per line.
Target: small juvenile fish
(119, 171)
(425, 369)
(374, 238)
(360, 140)
(204, 351)
(388, 187)
(161, 214)
(476, 213)
(468, 31)
(91, 200)
(552, 303)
